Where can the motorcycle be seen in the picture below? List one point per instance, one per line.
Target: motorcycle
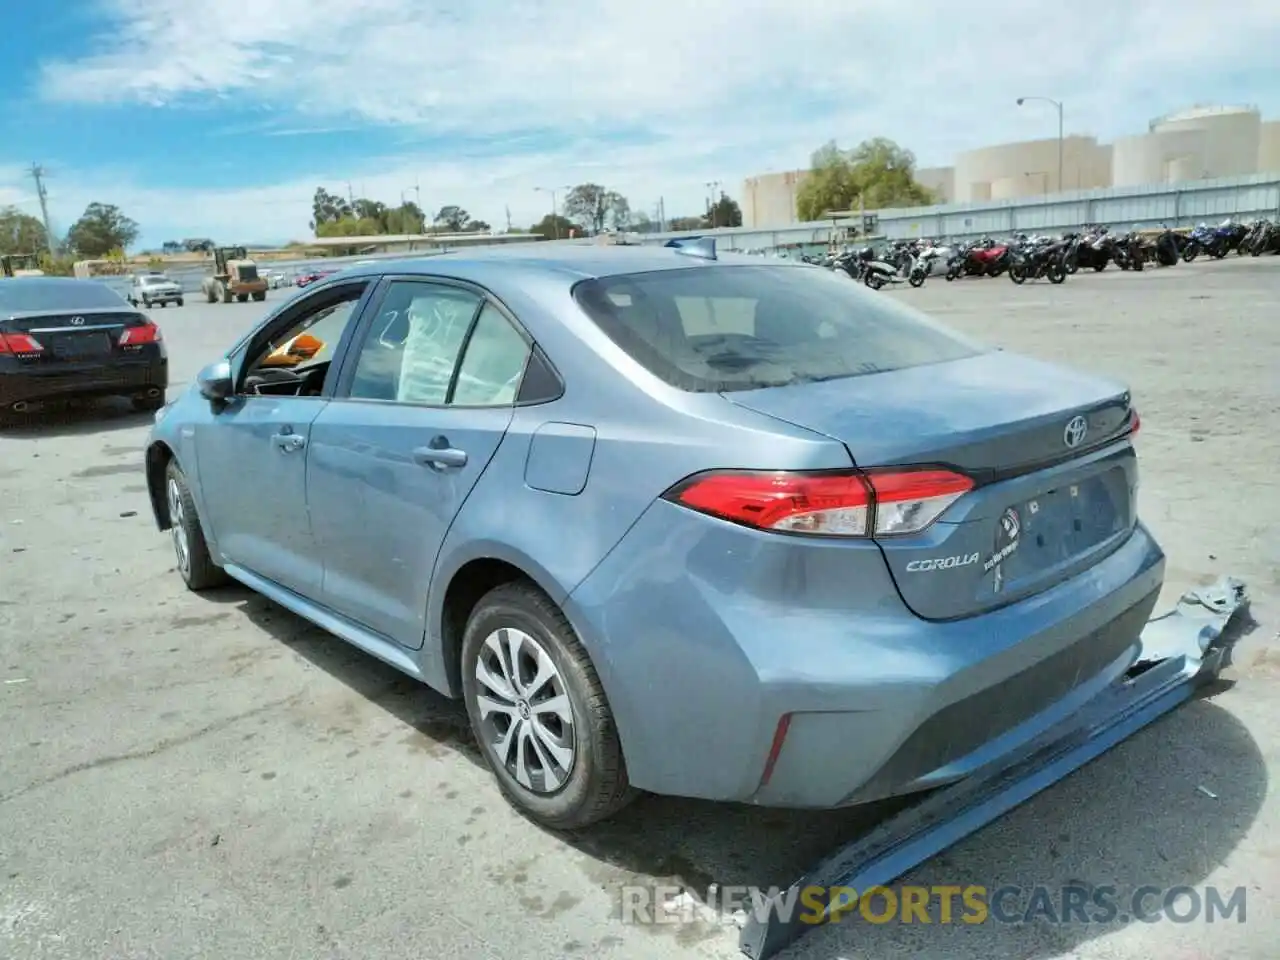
(1097, 249)
(1165, 248)
(1265, 238)
(1130, 252)
(986, 258)
(1032, 259)
(1200, 240)
(925, 264)
(874, 271)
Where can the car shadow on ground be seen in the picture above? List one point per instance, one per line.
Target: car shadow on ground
(1164, 810)
(70, 419)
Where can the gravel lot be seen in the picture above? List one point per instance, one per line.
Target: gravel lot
(188, 776)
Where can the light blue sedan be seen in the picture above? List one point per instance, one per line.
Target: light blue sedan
(672, 520)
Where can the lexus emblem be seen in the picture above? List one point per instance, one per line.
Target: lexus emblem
(1076, 430)
(77, 321)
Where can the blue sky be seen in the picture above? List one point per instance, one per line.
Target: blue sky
(197, 126)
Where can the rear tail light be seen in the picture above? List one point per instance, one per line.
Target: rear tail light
(1135, 422)
(19, 344)
(135, 336)
(909, 501)
(829, 504)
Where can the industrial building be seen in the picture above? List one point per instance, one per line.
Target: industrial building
(1200, 143)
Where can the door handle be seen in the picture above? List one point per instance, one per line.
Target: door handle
(289, 442)
(440, 458)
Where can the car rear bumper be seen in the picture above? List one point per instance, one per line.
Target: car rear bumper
(706, 636)
(20, 382)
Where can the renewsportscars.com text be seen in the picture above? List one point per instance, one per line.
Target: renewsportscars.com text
(943, 904)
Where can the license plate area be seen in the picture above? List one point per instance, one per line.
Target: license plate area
(1064, 522)
(85, 346)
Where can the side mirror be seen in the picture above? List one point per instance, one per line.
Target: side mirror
(214, 381)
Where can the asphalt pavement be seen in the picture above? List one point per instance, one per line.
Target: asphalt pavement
(209, 776)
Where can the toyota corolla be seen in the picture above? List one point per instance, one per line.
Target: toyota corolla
(674, 521)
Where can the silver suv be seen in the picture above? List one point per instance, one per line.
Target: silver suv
(149, 289)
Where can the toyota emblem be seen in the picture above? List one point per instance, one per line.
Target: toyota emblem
(1076, 430)
(77, 321)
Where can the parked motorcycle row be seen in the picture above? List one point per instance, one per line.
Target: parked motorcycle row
(1022, 257)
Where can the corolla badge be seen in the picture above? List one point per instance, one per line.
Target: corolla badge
(1076, 430)
(77, 321)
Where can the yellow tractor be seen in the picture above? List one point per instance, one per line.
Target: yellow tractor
(235, 277)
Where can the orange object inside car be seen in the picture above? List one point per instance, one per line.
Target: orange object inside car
(292, 352)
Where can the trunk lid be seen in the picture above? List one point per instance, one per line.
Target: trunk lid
(73, 337)
(1055, 479)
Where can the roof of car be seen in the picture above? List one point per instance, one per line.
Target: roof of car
(574, 262)
(47, 282)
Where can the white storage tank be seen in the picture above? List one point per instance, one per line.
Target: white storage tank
(1030, 168)
(1269, 148)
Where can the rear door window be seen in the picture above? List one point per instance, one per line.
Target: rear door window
(730, 327)
(413, 346)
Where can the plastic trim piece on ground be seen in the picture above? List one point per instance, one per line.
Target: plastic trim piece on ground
(1181, 651)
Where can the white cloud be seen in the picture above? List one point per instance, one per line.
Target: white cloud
(725, 88)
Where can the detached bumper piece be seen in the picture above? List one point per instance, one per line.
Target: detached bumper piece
(1181, 651)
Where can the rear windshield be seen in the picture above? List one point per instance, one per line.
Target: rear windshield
(725, 328)
(38, 295)
(247, 272)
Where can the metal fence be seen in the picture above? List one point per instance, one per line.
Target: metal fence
(1182, 204)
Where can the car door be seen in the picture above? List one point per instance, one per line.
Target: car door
(422, 404)
(252, 455)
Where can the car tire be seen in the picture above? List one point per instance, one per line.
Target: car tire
(180, 302)
(594, 786)
(148, 404)
(146, 304)
(198, 571)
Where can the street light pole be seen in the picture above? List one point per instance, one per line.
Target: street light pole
(1058, 105)
(712, 206)
(555, 210)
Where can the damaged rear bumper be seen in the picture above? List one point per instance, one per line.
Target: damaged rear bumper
(1181, 651)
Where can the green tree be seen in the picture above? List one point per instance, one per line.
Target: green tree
(877, 173)
(21, 232)
(556, 228)
(453, 218)
(724, 213)
(406, 218)
(596, 206)
(677, 224)
(327, 207)
(101, 229)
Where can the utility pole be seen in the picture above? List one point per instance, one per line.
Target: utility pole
(417, 198)
(38, 175)
(351, 194)
(508, 219)
(712, 207)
